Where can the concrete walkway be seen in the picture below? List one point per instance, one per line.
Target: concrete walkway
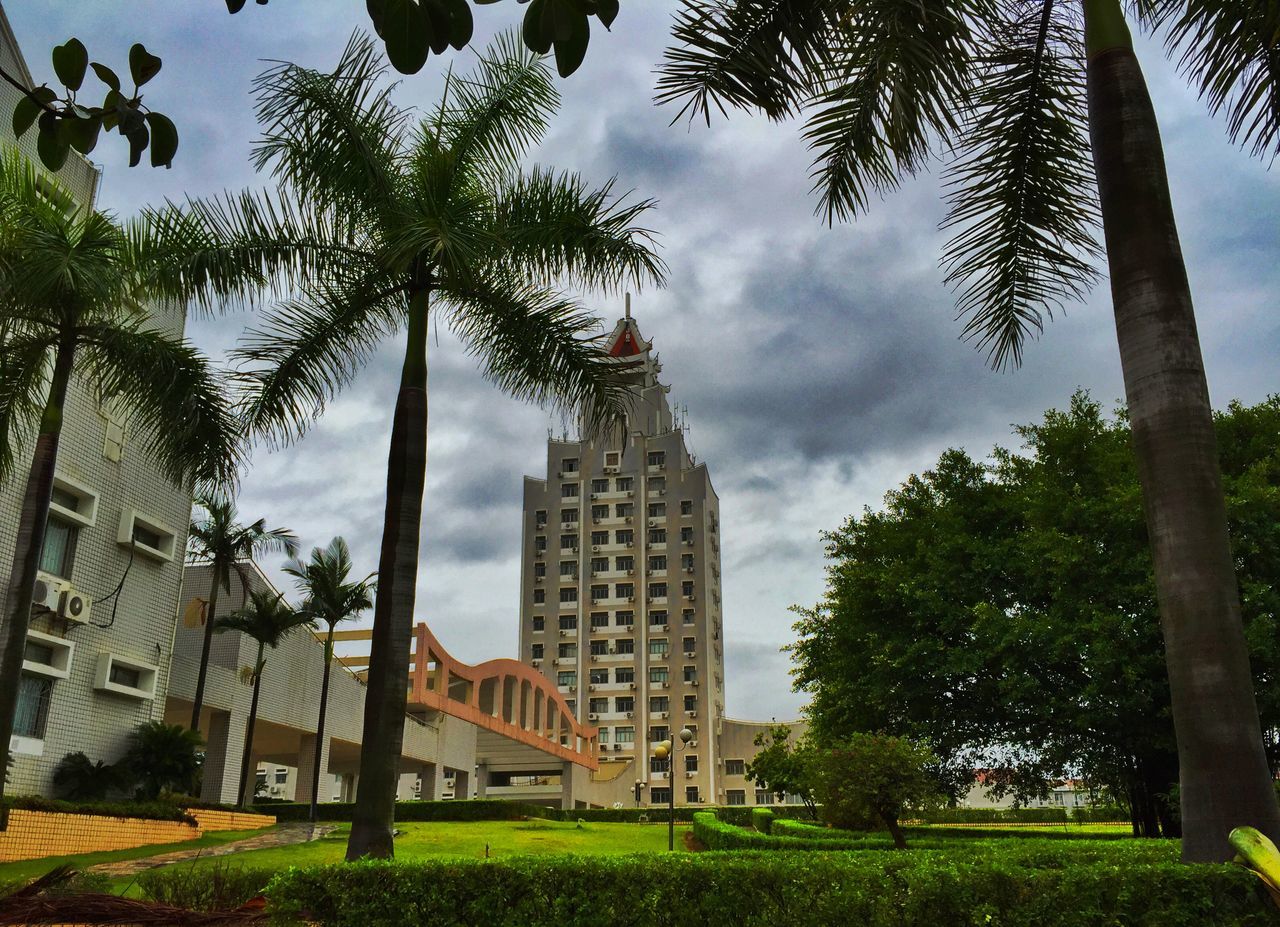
(282, 836)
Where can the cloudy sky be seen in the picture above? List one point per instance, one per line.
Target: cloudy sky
(819, 366)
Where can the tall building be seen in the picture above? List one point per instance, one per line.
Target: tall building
(620, 588)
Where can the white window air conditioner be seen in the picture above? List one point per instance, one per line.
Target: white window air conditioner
(592, 716)
(688, 569)
(47, 593)
(631, 598)
(629, 627)
(617, 746)
(631, 714)
(653, 522)
(595, 547)
(75, 606)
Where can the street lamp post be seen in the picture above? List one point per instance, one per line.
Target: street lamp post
(667, 751)
(639, 786)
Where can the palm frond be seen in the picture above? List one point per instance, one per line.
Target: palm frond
(1022, 193)
(536, 345)
(330, 595)
(310, 347)
(1232, 52)
(237, 248)
(267, 619)
(493, 115)
(173, 396)
(750, 54)
(895, 86)
(332, 138)
(24, 366)
(556, 228)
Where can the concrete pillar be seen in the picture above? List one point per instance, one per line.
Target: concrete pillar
(350, 785)
(482, 780)
(572, 778)
(224, 749)
(305, 764)
(432, 782)
(461, 784)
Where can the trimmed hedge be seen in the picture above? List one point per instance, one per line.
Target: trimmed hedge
(489, 809)
(994, 816)
(764, 890)
(149, 811)
(762, 819)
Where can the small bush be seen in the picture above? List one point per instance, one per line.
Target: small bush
(217, 887)
(78, 778)
(761, 819)
(912, 889)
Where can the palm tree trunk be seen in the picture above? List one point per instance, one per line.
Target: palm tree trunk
(28, 547)
(1223, 768)
(247, 760)
(388, 678)
(324, 702)
(209, 618)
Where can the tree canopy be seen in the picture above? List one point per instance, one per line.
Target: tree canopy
(1004, 609)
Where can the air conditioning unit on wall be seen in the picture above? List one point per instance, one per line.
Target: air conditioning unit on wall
(47, 593)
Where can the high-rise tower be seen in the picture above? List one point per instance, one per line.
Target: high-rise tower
(620, 587)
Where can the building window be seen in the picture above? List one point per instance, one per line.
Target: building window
(32, 710)
(599, 485)
(59, 547)
(567, 678)
(624, 484)
(540, 569)
(568, 490)
(569, 465)
(691, 762)
(599, 564)
(686, 588)
(603, 735)
(658, 647)
(146, 535)
(569, 568)
(568, 594)
(690, 674)
(572, 705)
(624, 735)
(735, 797)
(659, 796)
(567, 650)
(624, 590)
(657, 510)
(686, 561)
(657, 590)
(599, 592)
(690, 703)
(569, 515)
(612, 458)
(540, 518)
(735, 767)
(539, 623)
(658, 483)
(657, 765)
(599, 511)
(621, 619)
(625, 564)
(657, 618)
(657, 564)
(658, 733)
(625, 703)
(691, 794)
(657, 458)
(282, 776)
(626, 645)
(599, 619)
(624, 674)
(599, 676)
(686, 535)
(599, 649)
(598, 705)
(686, 507)
(569, 542)
(539, 596)
(658, 674)
(687, 615)
(625, 538)
(690, 645)
(624, 510)
(599, 537)
(657, 535)
(659, 703)
(764, 797)
(568, 622)
(537, 650)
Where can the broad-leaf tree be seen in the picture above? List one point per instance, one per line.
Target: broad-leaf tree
(782, 767)
(268, 619)
(216, 538)
(381, 223)
(330, 597)
(1043, 149)
(73, 305)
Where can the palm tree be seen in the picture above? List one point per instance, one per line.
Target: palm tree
(267, 619)
(72, 302)
(223, 543)
(379, 223)
(885, 84)
(329, 599)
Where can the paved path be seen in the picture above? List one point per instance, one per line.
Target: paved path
(282, 836)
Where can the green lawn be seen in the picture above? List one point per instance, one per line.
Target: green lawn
(31, 868)
(422, 840)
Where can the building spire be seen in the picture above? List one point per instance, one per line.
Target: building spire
(628, 306)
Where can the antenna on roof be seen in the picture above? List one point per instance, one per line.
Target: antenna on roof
(628, 305)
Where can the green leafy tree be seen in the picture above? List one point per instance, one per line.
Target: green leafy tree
(73, 295)
(330, 598)
(216, 538)
(872, 779)
(782, 767)
(162, 758)
(884, 86)
(78, 778)
(1006, 612)
(268, 620)
(382, 223)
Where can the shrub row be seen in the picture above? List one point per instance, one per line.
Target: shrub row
(1090, 815)
(762, 819)
(150, 811)
(485, 809)
(764, 890)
